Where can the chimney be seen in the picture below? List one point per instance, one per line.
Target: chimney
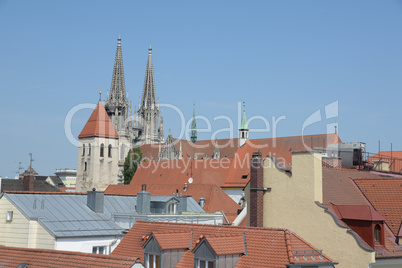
(182, 206)
(202, 202)
(381, 165)
(28, 181)
(307, 166)
(95, 200)
(144, 201)
(256, 192)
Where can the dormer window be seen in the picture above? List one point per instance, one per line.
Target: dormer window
(377, 233)
(206, 257)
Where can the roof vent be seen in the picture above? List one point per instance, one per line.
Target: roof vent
(95, 200)
(202, 202)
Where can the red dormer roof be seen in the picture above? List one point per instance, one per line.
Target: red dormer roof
(99, 125)
(363, 213)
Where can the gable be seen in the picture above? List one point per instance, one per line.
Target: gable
(204, 251)
(152, 246)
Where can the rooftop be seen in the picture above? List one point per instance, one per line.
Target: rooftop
(266, 247)
(12, 257)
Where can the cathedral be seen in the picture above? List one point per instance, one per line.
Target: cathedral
(113, 129)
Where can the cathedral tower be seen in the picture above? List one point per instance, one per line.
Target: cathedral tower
(149, 129)
(98, 142)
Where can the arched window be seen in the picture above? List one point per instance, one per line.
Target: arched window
(89, 149)
(83, 149)
(377, 233)
(109, 152)
(85, 166)
(102, 149)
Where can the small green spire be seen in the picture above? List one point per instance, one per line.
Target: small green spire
(243, 124)
(193, 126)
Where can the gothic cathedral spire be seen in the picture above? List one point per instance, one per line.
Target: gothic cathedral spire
(149, 131)
(117, 102)
(148, 94)
(117, 94)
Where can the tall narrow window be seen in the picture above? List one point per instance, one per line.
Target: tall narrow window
(102, 147)
(109, 152)
(85, 166)
(83, 149)
(89, 149)
(377, 233)
(154, 261)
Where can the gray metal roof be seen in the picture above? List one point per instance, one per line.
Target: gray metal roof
(67, 215)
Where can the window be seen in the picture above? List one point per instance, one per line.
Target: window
(89, 149)
(171, 208)
(205, 264)
(377, 233)
(9, 216)
(153, 261)
(102, 147)
(85, 166)
(109, 152)
(99, 250)
(83, 149)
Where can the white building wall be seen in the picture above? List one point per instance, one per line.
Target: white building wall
(101, 171)
(86, 244)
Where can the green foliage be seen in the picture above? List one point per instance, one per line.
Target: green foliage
(131, 163)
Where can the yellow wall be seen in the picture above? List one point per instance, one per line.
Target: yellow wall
(291, 204)
(21, 232)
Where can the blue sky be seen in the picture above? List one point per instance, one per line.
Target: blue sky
(283, 58)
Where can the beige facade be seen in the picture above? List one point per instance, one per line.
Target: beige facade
(96, 170)
(19, 231)
(293, 202)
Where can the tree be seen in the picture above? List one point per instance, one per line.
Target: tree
(131, 163)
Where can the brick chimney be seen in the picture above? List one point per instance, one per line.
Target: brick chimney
(28, 181)
(256, 195)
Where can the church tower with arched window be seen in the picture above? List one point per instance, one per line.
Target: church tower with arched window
(98, 146)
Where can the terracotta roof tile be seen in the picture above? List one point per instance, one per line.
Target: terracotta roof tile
(266, 247)
(175, 241)
(225, 245)
(352, 212)
(99, 125)
(385, 194)
(215, 198)
(12, 257)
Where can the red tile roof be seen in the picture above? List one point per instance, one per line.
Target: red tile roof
(266, 247)
(215, 198)
(339, 188)
(228, 148)
(385, 194)
(394, 158)
(99, 125)
(227, 244)
(12, 257)
(352, 212)
(176, 241)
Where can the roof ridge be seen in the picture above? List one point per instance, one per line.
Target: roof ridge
(38, 192)
(215, 226)
(289, 246)
(65, 252)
